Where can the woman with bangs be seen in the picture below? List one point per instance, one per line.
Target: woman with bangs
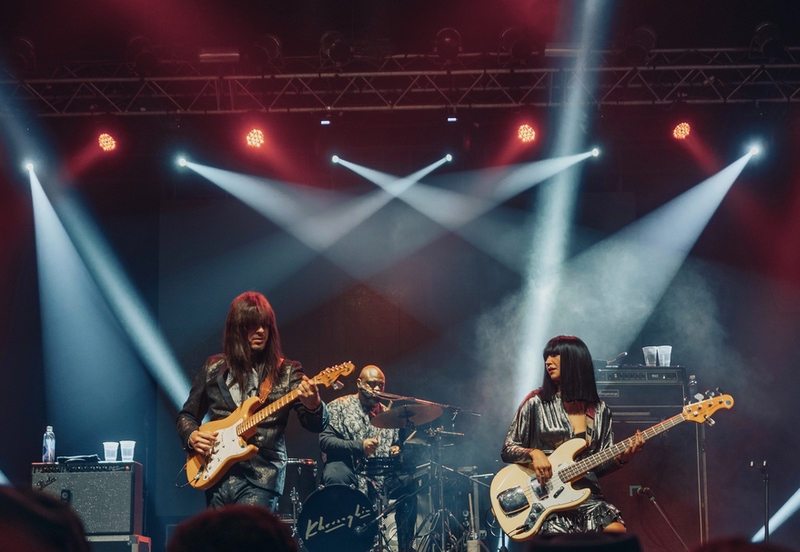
(566, 407)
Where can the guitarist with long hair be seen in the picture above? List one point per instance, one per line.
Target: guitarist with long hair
(566, 407)
(252, 364)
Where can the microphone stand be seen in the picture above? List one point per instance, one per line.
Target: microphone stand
(765, 472)
(646, 491)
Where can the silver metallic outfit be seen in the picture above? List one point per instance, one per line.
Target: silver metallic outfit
(545, 426)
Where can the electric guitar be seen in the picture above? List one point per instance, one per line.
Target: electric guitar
(233, 431)
(521, 504)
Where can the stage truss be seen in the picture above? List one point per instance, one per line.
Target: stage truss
(403, 83)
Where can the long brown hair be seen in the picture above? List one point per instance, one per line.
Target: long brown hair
(251, 310)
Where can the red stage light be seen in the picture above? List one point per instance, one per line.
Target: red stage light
(106, 142)
(681, 132)
(526, 133)
(255, 138)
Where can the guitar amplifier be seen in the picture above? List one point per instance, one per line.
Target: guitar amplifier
(641, 394)
(107, 496)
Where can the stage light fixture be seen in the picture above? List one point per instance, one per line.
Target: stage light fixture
(447, 44)
(681, 131)
(639, 45)
(216, 55)
(595, 152)
(23, 56)
(755, 149)
(526, 133)
(333, 45)
(515, 43)
(265, 51)
(767, 40)
(255, 138)
(29, 166)
(325, 122)
(140, 54)
(452, 119)
(182, 161)
(335, 159)
(448, 158)
(106, 142)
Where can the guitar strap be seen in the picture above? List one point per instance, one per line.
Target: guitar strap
(266, 386)
(591, 410)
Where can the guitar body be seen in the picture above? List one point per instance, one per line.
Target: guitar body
(230, 447)
(521, 505)
(233, 432)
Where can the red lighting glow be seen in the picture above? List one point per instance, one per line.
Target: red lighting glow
(681, 132)
(106, 142)
(526, 133)
(255, 138)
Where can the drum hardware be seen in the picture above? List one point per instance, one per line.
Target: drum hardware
(337, 518)
(301, 481)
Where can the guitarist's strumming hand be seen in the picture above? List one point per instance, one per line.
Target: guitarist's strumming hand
(308, 393)
(541, 466)
(202, 441)
(636, 446)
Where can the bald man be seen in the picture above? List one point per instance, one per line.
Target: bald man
(350, 440)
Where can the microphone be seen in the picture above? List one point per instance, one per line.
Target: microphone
(623, 354)
(387, 396)
(366, 390)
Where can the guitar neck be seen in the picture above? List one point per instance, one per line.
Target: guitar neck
(579, 468)
(266, 412)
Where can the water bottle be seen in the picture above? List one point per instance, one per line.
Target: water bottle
(49, 446)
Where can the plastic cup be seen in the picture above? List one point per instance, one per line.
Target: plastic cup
(664, 355)
(650, 354)
(126, 447)
(110, 450)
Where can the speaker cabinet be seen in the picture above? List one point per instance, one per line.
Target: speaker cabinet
(107, 495)
(638, 394)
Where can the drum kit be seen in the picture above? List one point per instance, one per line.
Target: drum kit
(339, 518)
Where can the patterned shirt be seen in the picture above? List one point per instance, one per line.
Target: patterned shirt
(342, 442)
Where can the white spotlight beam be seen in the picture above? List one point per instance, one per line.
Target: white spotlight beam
(556, 206)
(119, 293)
(315, 217)
(784, 513)
(621, 280)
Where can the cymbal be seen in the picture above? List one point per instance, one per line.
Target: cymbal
(406, 415)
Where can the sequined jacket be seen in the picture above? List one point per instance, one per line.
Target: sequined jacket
(210, 395)
(545, 425)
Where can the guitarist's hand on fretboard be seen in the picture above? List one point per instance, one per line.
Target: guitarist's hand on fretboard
(202, 441)
(635, 447)
(308, 393)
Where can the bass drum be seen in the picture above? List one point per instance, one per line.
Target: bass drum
(301, 480)
(337, 518)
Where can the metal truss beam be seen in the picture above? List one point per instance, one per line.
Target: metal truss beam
(404, 83)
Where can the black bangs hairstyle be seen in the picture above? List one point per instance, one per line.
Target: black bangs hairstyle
(577, 371)
(251, 310)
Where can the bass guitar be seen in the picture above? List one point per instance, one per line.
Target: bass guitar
(521, 504)
(233, 431)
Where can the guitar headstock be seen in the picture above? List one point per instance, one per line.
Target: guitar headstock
(329, 375)
(702, 410)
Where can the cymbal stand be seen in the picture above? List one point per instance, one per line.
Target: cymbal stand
(444, 540)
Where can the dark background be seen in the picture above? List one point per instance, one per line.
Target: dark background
(189, 249)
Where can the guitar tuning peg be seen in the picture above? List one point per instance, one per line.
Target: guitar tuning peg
(337, 385)
(710, 422)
